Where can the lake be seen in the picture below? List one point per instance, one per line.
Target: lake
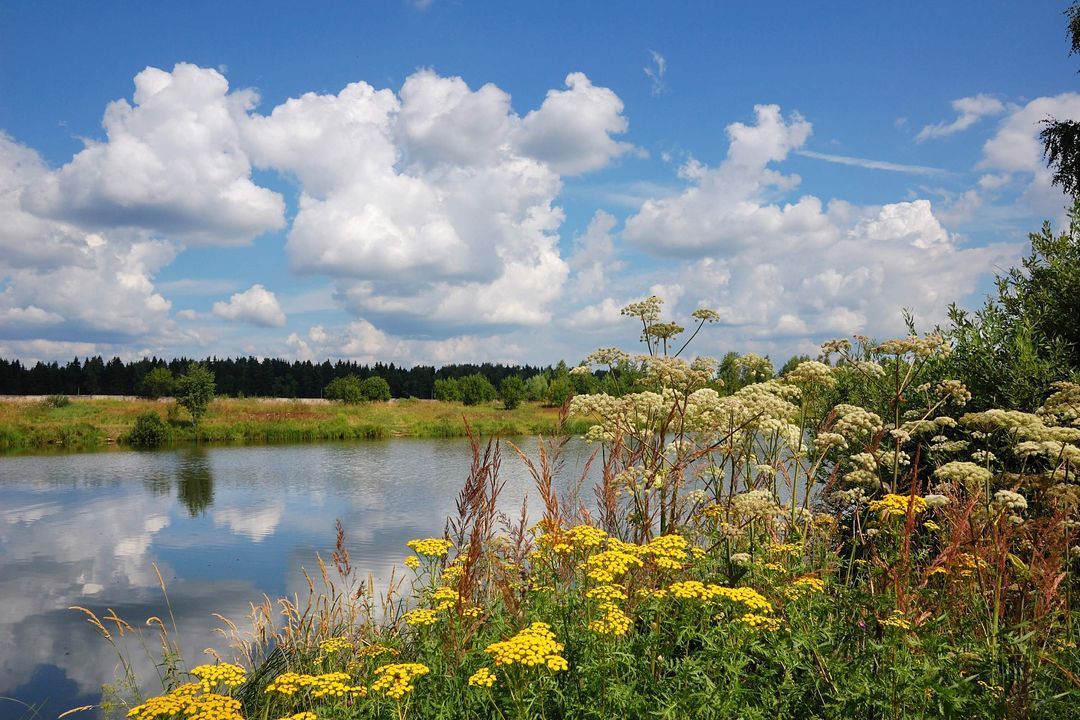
(223, 525)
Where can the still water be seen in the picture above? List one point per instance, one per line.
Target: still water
(223, 526)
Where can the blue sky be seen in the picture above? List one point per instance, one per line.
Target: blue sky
(456, 181)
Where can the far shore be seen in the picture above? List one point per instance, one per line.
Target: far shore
(31, 423)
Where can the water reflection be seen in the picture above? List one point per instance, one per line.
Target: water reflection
(195, 481)
(222, 525)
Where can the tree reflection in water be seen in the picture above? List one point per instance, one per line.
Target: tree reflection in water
(195, 486)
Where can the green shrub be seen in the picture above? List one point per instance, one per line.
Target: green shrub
(375, 389)
(347, 389)
(476, 389)
(512, 391)
(149, 430)
(447, 390)
(56, 401)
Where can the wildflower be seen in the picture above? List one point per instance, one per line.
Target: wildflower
(607, 593)
(741, 559)
(334, 645)
(965, 474)
(445, 598)
(303, 715)
(226, 674)
(430, 547)
(1007, 499)
(604, 567)
(936, 501)
(755, 503)
(613, 621)
(585, 537)
(897, 620)
(395, 679)
(897, 505)
(482, 678)
(420, 617)
(810, 373)
(535, 645)
(760, 622)
(773, 567)
(804, 586)
(412, 562)
(335, 684)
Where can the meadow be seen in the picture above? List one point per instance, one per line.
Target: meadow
(73, 423)
(847, 540)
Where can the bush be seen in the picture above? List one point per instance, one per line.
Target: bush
(149, 430)
(476, 389)
(375, 389)
(559, 391)
(536, 388)
(346, 389)
(512, 391)
(447, 390)
(195, 390)
(159, 382)
(56, 401)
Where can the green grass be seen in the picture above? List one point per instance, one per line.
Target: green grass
(87, 424)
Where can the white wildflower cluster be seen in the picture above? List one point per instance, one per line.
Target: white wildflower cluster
(705, 365)
(811, 373)
(963, 474)
(923, 426)
(1065, 494)
(919, 347)
(942, 444)
(852, 496)
(826, 441)
(1057, 452)
(869, 368)
(936, 501)
(1009, 500)
(854, 421)
(610, 356)
(668, 372)
(755, 504)
(955, 391)
(695, 497)
(900, 436)
(1063, 404)
(1024, 426)
(741, 558)
(581, 370)
(983, 456)
(840, 346)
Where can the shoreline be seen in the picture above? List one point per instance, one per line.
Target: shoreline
(28, 424)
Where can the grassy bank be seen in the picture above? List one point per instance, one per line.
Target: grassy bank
(28, 425)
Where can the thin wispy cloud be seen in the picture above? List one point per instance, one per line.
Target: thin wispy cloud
(656, 72)
(969, 111)
(872, 164)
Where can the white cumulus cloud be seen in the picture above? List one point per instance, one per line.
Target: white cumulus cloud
(969, 111)
(256, 305)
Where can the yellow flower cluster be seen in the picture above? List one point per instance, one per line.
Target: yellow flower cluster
(585, 537)
(375, 649)
(604, 567)
(472, 612)
(696, 590)
(760, 622)
(412, 562)
(607, 593)
(897, 620)
(226, 674)
(420, 617)
(785, 548)
(453, 572)
(773, 567)
(335, 684)
(535, 645)
(396, 679)
(482, 678)
(897, 505)
(303, 715)
(648, 593)
(184, 702)
(334, 645)
(667, 551)
(613, 622)
(445, 598)
(430, 547)
(804, 586)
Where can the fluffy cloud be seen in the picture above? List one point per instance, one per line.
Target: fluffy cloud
(794, 273)
(106, 294)
(571, 132)
(172, 164)
(1016, 151)
(256, 305)
(969, 111)
(434, 208)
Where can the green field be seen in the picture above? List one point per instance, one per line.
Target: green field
(33, 424)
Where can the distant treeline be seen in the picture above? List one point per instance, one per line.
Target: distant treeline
(240, 377)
